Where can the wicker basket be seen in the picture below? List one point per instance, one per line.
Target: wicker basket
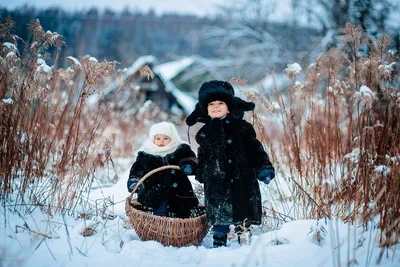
(168, 231)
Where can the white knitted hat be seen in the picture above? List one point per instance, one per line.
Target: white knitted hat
(164, 128)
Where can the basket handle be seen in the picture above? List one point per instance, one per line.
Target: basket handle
(151, 173)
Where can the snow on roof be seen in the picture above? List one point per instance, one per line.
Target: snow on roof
(139, 62)
(187, 102)
(170, 69)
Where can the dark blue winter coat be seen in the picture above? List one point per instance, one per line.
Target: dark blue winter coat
(172, 185)
(229, 160)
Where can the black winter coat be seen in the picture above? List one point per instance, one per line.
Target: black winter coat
(159, 186)
(229, 160)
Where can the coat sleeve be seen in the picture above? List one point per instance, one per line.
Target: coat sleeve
(255, 153)
(199, 171)
(190, 158)
(136, 173)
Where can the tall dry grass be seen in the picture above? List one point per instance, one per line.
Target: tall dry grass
(335, 135)
(52, 138)
(50, 143)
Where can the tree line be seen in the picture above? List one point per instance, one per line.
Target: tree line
(243, 39)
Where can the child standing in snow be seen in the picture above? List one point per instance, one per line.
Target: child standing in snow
(230, 158)
(168, 187)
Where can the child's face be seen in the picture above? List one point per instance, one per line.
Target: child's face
(217, 109)
(161, 140)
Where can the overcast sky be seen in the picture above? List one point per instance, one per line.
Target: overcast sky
(281, 9)
(198, 7)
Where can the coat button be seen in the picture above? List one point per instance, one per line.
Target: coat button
(227, 121)
(174, 185)
(173, 171)
(229, 141)
(231, 181)
(229, 161)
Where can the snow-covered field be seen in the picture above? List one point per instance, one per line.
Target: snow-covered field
(57, 241)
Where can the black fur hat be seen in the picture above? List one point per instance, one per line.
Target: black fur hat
(215, 90)
(218, 90)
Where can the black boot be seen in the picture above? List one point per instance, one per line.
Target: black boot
(219, 240)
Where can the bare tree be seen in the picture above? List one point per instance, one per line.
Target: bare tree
(244, 40)
(331, 15)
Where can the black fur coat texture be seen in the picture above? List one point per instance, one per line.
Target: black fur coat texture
(229, 160)
(159, 186)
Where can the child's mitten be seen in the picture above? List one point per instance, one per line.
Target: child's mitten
(266, 175)
(139, 190)
(186, 168)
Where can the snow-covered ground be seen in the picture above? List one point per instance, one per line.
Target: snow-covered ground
(57, 241)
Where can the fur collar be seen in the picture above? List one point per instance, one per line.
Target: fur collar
(150, 148)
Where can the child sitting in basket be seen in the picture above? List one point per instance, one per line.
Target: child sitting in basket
(169, 187)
